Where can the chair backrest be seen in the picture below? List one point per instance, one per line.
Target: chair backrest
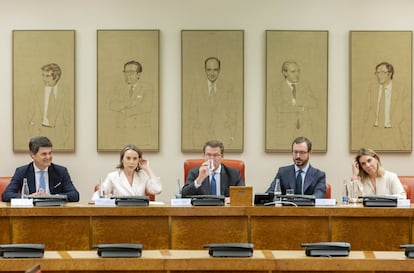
(4, 181)
(232, 163)
(151, 196)
(328, 191)
(408, 184)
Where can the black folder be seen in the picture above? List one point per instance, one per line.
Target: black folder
(22, 250)
(131, 200)
(230, 250)
(260, 199)
(207, 200)
(409, 250)
(50, 200)
(119, 250)
(380, 201)
(298, 200)
(327, 249)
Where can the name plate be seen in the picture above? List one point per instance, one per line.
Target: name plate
(405, 203)
(21, 203)
(325, 202)
(105, 202)
(181, 202)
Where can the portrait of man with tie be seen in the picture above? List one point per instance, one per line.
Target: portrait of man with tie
(212, 89)
(296, 88)
(44, 87)
(213, 110)
(294, 107)
(128, 89)
(381, 90)
(50, 109)
(387, 112)
(131, 105)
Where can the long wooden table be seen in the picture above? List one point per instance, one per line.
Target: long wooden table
(80, 226)
(200, 261)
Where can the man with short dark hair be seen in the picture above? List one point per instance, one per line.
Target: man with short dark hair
(212, 177)
(43, 177)
(301, 176)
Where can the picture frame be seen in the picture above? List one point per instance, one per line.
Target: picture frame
(212, 99)
(128, 89)
(44, 88)
(296, 89)
(381, 90)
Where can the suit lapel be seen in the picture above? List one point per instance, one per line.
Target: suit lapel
(308, 178)
(292, 180)
(31, 179)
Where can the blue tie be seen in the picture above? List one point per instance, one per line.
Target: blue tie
(298, 188)
(213, 185)
(42, 184)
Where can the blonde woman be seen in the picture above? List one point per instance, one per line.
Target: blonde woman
(372, 179)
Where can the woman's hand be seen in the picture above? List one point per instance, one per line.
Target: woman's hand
(355, 170)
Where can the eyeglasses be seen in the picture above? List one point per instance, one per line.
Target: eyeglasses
(130, 71)
(299, 152)
(380, 72)
(212, 155)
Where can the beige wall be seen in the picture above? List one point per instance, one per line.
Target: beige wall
(86, 165)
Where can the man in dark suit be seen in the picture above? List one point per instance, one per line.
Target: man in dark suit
(212, 177)
(301, 176)
(43, 177)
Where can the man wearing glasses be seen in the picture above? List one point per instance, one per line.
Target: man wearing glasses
(131, 107)
(301, 176)
(212, 177)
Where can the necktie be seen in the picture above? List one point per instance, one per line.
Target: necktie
(213, 185)
(51, 108)
(298, 188)
(294, 91)
(42, 184)
(297, 125)
(131, 90)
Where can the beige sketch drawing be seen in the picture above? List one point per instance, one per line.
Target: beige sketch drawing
(128, 89)
(380, 89)
(213, 115)
(44, 88)
(49, 112)
(387, 105)
(295, 106)
(296, 89)
(212, 89)
(132, 105)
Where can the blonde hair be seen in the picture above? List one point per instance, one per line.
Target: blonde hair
(364, 175)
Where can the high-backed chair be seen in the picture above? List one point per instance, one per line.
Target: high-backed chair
(232, 163)
(408, 184)
(328, 190)
(4, 181)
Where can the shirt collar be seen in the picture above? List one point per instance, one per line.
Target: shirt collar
(36, 169)
(305, 170)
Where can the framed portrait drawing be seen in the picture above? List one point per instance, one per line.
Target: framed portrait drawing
(128, 89)
(381, 90)
(44, 88)
(212, 89)
(296, 89)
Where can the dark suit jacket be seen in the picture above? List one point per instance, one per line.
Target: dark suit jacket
(228, 177)
(59, 182)
(315, 181)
